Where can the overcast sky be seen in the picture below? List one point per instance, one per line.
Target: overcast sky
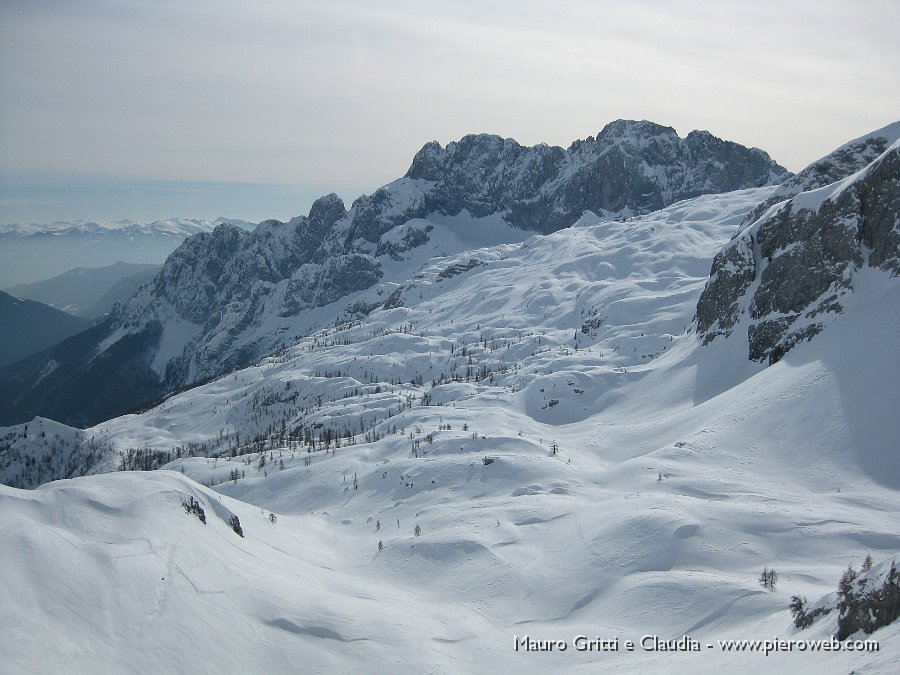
(262, 105)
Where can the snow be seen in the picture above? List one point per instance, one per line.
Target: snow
(813, 199)
(890, 132)
(680, 471)
(180, 227)
(36, 252)
(176, 334)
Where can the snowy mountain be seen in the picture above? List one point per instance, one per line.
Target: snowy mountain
(786, 272)
(508, 437)
(226, 298)
(837, 165)
(180, 228)
(584, 287)
(35, 252)
(638, 166)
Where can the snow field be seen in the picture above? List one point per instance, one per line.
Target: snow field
(680, 472)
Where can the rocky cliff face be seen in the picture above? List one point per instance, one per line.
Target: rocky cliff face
(639, 166)
(837, 165)
(228, 286)
(791, 265)
(226, 298)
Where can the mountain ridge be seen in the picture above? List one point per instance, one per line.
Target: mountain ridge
(88, 291)
(227, 298)
(182, 227)
(797, 254)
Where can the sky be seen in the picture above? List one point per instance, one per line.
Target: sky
(151, 109)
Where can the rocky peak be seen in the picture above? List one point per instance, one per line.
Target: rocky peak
(426, 163)
(193, 274)
(620, 129)
(638, 165)
(474, 152)
(784, 272)
(325, 212)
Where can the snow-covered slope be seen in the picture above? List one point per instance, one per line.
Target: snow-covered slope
(44, 450)
(498, 439)
(226, 298)
(611, 294)
(785, 274)
(655, 516)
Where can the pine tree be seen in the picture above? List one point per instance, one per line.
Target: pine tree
(798, 611)
(768, 578)
(845, 585)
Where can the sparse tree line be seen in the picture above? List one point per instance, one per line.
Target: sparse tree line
(463, 364)
(53, 457)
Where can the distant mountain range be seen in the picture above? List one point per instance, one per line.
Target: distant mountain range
(477, 406)
(178, 227)
(88, 291)
(228, 297)
(35, 252)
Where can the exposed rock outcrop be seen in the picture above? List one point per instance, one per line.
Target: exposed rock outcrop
(639, 165)
(795, 262)
(227, 298)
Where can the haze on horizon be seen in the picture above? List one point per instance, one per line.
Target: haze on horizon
(149, 110)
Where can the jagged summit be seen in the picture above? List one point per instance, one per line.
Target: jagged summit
(631, 164)
(325, 212)
(228, 297)
(632, 128)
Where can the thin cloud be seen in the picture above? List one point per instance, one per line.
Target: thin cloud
(346, 92)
